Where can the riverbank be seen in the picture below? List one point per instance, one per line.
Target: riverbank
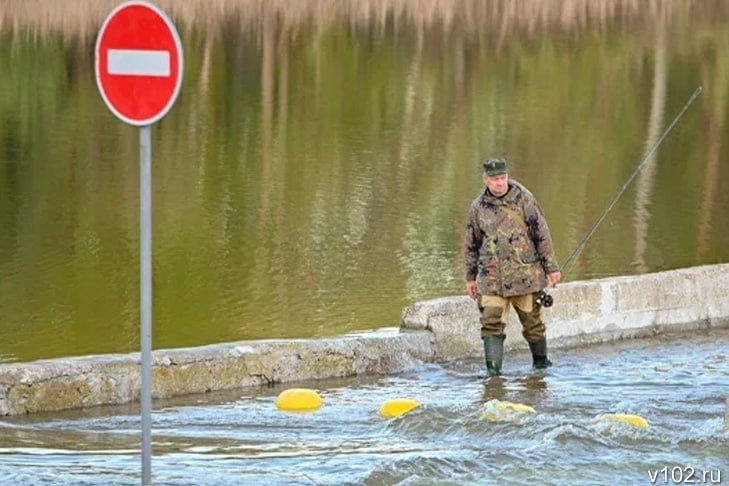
(436, 330)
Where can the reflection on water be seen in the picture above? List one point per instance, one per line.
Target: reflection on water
(677, 383)
(314, 175)
(499, 388)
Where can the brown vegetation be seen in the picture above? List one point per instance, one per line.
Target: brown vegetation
(81, 17)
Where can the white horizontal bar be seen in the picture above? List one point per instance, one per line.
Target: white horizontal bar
(126, 62)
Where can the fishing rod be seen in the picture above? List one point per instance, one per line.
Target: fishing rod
(546, 300)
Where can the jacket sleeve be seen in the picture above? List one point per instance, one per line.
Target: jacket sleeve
(539, 232)
(474, 236)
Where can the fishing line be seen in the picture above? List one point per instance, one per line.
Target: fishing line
(546, 300)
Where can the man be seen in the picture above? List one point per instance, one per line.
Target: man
(509, 260)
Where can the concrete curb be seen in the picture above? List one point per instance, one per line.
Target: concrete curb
(435, 330)
(589, 312)
(58, 384)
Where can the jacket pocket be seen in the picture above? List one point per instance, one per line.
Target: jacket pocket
(528, 257)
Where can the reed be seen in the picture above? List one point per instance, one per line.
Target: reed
(82, 17)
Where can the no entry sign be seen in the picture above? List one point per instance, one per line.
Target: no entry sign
(138, 63)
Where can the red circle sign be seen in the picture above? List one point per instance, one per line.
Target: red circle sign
(138, 63)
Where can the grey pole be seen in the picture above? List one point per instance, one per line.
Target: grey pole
(145, 285)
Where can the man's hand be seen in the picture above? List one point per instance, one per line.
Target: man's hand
(472, 289)
(554, 277)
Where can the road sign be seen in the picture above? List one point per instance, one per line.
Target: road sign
(138, 63)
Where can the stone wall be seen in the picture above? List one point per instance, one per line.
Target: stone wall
(435, 330)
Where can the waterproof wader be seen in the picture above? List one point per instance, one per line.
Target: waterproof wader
(493, 348)
(494, 312)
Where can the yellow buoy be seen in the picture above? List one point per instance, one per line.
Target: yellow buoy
(298, 400)
(397, 407)
(516, 407)
(496, 410)
(636, 420)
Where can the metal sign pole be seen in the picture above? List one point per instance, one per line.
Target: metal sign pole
(145, 273)
(138, 62)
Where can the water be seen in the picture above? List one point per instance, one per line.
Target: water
(677, 383)
(314, 176)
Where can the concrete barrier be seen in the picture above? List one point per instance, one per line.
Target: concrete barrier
(589, 312)
(57, 384)
(435, 330)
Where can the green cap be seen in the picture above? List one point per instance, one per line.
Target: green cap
(494, 167)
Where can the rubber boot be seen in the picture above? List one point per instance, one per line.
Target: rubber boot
(539, 354)
(493, 348)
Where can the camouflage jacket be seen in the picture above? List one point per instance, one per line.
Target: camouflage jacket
(508, 246)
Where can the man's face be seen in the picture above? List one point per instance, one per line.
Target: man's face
(497, 184)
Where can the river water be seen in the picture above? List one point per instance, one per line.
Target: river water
(677, 383)
(314, 176)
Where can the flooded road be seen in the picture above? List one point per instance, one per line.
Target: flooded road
(678, 383)
(314, 176)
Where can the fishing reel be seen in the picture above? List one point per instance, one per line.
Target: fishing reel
(544, 299)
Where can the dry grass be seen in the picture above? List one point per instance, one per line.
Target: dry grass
(82, 17)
